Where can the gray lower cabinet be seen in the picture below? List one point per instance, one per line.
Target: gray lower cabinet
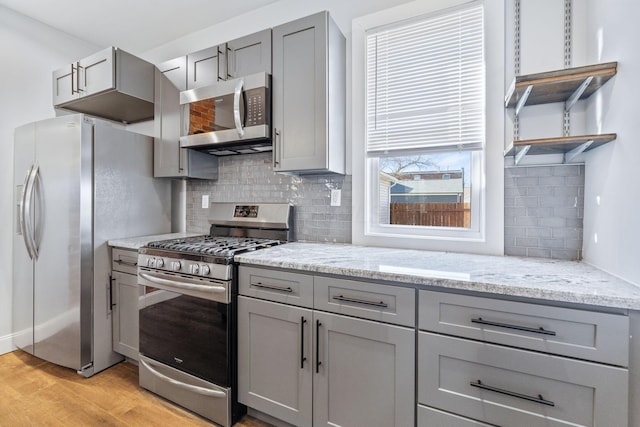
(308, 83)
(311, 367)
(272, 375)
(507, 363)
(125, 294)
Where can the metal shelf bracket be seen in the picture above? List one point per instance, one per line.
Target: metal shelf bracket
(522, 101)
(521, 153)
(570, 155)
(575, 96)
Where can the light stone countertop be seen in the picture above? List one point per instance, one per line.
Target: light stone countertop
(138, 242)
(554, 280)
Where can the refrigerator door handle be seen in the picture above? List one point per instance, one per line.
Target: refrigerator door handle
(25, 212)
(37, 232)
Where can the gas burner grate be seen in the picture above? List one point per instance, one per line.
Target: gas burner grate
(217, 246)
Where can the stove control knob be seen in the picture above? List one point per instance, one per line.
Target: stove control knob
(176, 266)
(159, 263)
(151, 262)
(195, 268)
(205, 270)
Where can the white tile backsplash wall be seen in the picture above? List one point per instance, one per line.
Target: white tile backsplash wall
(250, 178)
(544, 208)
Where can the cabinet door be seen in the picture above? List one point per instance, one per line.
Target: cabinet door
(65, 84)
(365, 373)
(206, 67)
(175, 70)
(299, 94)
(97, 72)
(125, 294)
(249, 55)
(274, 359)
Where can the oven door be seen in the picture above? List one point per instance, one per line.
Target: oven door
(185, 325)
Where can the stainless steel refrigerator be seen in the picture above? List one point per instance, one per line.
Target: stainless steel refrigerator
(78, 182)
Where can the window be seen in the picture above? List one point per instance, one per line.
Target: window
(423, 142)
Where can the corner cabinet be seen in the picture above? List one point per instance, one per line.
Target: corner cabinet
(569, 86)
(308, 81)
(309, 352)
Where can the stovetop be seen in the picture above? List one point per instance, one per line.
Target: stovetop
(221, 246)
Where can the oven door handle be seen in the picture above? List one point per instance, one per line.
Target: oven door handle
(182, 285)
(188, 387)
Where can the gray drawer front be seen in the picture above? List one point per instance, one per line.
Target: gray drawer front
(599, 337)
(385, 303)
(582, 393)
(429, 417)
(124, 260)
(279, 286)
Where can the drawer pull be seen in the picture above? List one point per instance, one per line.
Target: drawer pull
(318, 362)
(508, 326)
(538, 399)
(360, 301)
(132, 264)
(273, 288)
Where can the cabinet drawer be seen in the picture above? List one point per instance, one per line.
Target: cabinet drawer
(588, 335)
(279, 286)
(385, 303)
(512, 387)
(429, 417)
(124, 260)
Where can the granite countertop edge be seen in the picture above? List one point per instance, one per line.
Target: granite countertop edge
(581, 284)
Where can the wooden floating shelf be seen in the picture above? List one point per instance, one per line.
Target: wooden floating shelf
(568, 85)
(570, 146)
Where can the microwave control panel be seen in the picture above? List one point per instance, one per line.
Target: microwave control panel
(257, 112)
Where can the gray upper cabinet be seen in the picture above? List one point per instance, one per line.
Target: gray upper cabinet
(169, 159)
(249, 55)
(111, 84)
(240, 57)
(309, 96)
(206, 67)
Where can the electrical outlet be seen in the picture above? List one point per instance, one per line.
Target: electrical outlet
(335, 197)
(205, 201)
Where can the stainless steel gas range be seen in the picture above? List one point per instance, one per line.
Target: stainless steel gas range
(187, 309)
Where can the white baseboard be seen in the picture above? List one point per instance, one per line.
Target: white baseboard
(6, 344)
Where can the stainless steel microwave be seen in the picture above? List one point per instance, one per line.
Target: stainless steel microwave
(229, 117)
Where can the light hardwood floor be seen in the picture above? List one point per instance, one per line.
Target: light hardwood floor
(37, 393)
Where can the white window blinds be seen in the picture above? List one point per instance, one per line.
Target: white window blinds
(426, 84)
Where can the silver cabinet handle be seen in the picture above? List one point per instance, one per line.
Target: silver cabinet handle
(184, 386)
(276, 137)
(73, 69)
(271, 287)
(237, 93)
(78, 67)
(540, 330)
(122, 262)
(182, 285)
(538, 399)
(361, 301)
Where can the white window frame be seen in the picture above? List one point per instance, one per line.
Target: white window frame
(486, 234)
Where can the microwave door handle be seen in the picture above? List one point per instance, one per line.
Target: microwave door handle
(236, 107)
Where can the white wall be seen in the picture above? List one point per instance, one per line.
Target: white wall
(30, 51)
(612, 172)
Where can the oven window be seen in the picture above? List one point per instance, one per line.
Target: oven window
(191, 334)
